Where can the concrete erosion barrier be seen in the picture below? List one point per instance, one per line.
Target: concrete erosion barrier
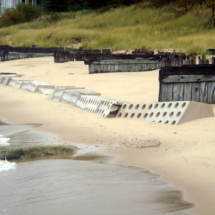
(4, 79)
(16, 82)
(24, 85)
(89, 103)
(173, 113)
(34, 86)
(45, 91)
(59, 91)
(71, 96)
(109, 108)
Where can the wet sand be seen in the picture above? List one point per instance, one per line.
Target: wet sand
(184, 158)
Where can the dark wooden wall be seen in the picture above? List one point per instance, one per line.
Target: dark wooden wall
(187, 83)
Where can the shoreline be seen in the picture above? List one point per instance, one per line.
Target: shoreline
(185, 157)
(79, 152)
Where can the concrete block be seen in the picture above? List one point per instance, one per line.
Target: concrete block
(45, 91)
(89, 103)
(4, 79)
(172, 113)
(58, 92)
(13, 80)
(24, 85)
(16, 82)
(35, 85)
(109, 108)
(71, 96)
(94, 103)
(133, 110)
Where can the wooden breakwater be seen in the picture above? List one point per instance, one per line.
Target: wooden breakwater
(187, 83)
(62, 56)
(132, 63)
(124, 65)
(8, 53)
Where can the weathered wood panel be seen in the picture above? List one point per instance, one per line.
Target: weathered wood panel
(92, 68)
(195, 92)
(187, 78)
(187, 92)
(211, 93)
(203, 92)
(169, 92)
(189, 83)
(163, 94)
(178, 92)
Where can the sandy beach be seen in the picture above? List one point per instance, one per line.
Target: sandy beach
(185, 156)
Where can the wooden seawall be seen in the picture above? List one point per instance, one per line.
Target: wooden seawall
(187, 83)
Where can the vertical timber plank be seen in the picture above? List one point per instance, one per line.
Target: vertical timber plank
(92, 68)
(139, 67)
(105, 68)
(120, 68)
(178, 92)
(109, 70)
(116, 68)
(203, 92)
(195, 92)
(169, 93)
(187, 92)
(211, 88)
(163, 92)
(175, 92)
(181, 92)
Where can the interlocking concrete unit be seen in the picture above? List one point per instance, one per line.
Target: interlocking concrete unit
(13, 80)
(45, 91)
(35, 85)
(109, 108)
(133, 110)
(89, 103)
(59, 91)
(24, 85)
(71, 96)
(4, 79)
(173, 113)
(94, 103)
(16, 82)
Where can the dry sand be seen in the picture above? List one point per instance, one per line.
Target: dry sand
(185, 156)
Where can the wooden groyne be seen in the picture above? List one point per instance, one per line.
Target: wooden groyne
(8, 53)
(187, 83)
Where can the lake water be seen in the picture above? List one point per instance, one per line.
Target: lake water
(67, 186)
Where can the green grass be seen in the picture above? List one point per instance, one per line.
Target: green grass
(121, 28)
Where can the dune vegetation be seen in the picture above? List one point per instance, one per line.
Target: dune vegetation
(120, 28)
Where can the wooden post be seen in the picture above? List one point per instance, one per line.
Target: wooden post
(200, 60)
(204, 59)
(194, 58)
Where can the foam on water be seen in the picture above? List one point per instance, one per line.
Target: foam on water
(6, 166)
(4, 141)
